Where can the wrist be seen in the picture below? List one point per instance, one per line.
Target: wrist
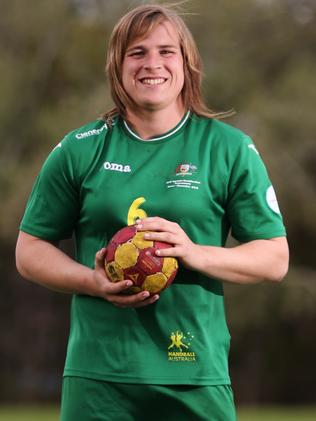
(200, 258)
(87, 285)
(207, 259)
(195, 259)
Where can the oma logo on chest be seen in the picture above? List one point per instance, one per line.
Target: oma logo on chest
(113, 166)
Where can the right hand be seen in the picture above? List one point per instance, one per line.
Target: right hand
(112, 292)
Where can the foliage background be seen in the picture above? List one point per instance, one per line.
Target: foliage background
(260, 60)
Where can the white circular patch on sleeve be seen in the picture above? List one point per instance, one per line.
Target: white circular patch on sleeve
(272, 200)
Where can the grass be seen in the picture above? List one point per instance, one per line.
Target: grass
(277, 413)
(50, 413)
(29, 413)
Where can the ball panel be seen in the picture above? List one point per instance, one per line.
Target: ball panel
(162, 245)
(135, 275)
(169, 266)
(140, 242)
(114, 271)
(110, 251)
(171, 278)
(126, 255)
(155, 283)
(124, 235)
(148, 262)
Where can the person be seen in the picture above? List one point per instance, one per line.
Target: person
(162, 160)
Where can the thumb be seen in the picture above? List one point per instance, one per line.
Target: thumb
(100, 258)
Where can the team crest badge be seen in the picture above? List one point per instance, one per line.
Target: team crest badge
(185, 169)
(181, 179)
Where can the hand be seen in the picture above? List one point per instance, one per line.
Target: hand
(170, 232)
(112, 292)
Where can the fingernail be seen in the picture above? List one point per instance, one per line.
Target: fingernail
(145, 294)
(158, 252)
(129, 283)
(139, 226)
(138, 221)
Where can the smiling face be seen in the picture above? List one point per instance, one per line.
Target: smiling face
(152, 71)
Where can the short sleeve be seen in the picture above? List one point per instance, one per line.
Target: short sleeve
(52, 209)
(252, 208)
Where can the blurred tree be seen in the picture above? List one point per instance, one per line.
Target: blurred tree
(259, 58)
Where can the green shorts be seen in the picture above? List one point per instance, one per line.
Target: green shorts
(93, 400)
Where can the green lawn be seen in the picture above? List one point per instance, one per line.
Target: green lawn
(277, 414)
(29, 413)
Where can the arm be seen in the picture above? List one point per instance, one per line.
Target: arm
(42, 262)
(256, 261)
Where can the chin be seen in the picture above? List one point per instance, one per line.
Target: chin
(151, 106)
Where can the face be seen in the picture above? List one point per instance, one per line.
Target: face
(152, 71)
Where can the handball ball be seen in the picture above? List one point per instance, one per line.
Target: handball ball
(130, 256)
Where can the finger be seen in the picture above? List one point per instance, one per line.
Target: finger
(142, 224)
(135, 301)
(165, 237)
(169, 252)
(99, 258)
(148, 219)
(115, 288)
(148, 301)
(156, 223)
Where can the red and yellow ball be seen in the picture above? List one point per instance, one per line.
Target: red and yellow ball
(130, 256)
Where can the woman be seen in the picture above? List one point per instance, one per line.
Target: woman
(162, 160)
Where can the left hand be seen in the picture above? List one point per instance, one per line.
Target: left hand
(170, 232)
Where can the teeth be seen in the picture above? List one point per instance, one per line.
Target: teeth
(153, 81)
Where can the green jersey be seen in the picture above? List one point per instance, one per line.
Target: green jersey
(205, 175)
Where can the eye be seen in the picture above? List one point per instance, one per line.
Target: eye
(166, 52)
(137, 53)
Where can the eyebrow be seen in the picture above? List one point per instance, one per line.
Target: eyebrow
(141, 47)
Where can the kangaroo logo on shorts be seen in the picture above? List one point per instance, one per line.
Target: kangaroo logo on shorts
(180, 347)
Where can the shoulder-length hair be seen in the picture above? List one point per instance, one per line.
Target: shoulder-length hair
(137, 24)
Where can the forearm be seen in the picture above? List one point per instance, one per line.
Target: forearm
(42, 262)
(256, 261)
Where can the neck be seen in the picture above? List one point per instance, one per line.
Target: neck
(148, 124)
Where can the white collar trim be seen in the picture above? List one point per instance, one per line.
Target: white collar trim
(159, 137)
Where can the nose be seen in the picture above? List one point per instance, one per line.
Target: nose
(152, 61)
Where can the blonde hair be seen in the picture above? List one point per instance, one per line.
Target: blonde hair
(138, 23)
